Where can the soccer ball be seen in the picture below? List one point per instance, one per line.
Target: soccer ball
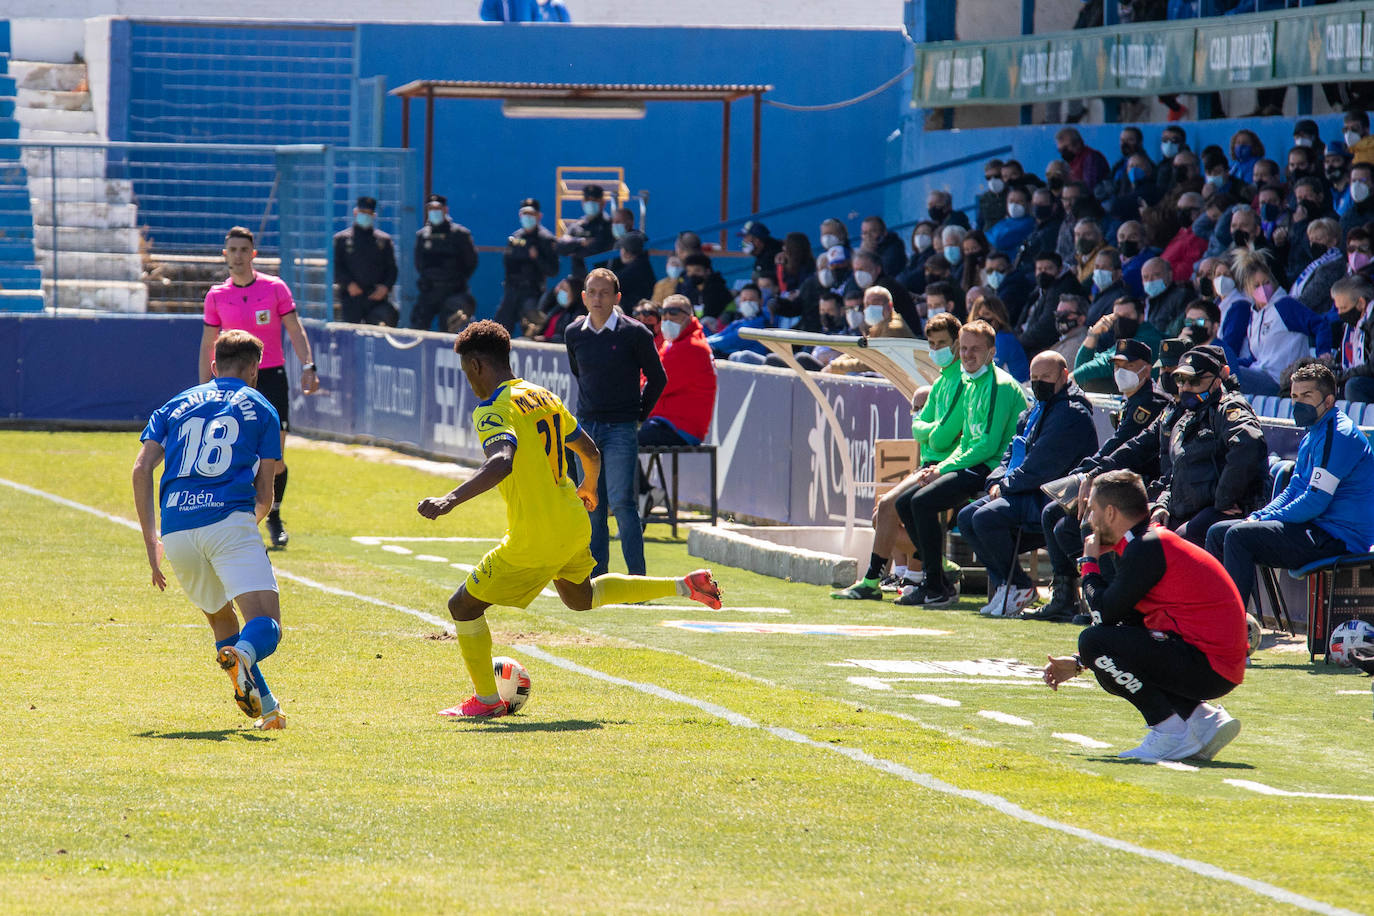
(1351, 635)
(512, 682)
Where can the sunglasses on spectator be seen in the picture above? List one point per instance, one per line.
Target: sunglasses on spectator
(673, 310)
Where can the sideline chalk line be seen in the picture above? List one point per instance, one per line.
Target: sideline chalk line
(925, 780)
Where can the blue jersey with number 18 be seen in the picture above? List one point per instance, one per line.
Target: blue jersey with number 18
(213, 435)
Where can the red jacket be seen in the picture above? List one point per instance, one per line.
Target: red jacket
(1183, 251)
(689, 400)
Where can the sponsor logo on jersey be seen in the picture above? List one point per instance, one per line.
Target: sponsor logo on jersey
(184, 501)
(490, 421)
(263, 316)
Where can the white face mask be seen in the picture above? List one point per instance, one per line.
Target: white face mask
(747, 248)
(1359, 190)
(1016, 210)
(853, 318)
(932, 312)
(827, 277)
(873, 314)
(995, 185)
(748, 308)
(922, 241)
(670, 329)
(591, 207)
(1302, 141)
(1223, 285)
(1351, 138)
(1102, 278)
(829, 240)
(1126, 380)
(943, 356)
(674, 271)
(863, 278)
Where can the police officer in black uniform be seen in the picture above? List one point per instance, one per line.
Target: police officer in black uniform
(1217, 462)
(445, 260)
(365, 269)
(1145, 402)
(592, 233)
(530, 260)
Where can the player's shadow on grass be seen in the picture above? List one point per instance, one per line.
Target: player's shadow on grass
(506, 724)
(1319, 668)
(1200, 764)
(219, 734)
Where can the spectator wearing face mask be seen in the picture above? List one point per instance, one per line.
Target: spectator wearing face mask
(1313, 285)
(1011, 287)
(445, 259)
(1353, 360)
(1355, 133)
(1106, 285)
(944, 299)
(869, 272)
(1088, 243)
(952, 250)
(682, 415)
(667, 284)
(1044, 237)
(940, 209)
(1131, 141)
(1186, 247)
(561, 306)
(1093, 364)
(1078, 204)
(756, 240)
(1130, 241)
(1139, 190)
(622, 223)
(1007, 352)
(592, 234)
(1070, 321)
(879, 320)
(647, 313)
(876, 237)
(529, 262)
(922, 248)
(1007, 233)
(1336, 167)
(973, 256)
(1164, 299)
(1052, 436)
(1311, 204)
(749, 313)
(1201, 322)
(834, 234)
(704, 287)
(365, 269)
(1215, 282)
(1361, 209)
(1280, 329)
(1173, 141)
(1246, 150)
(1219, 179)
(1085, 163)
(992, 203)
(1052, 280)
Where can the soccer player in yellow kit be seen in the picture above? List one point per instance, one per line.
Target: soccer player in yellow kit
(524, 429)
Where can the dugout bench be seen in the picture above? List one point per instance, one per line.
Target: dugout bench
(667, 480)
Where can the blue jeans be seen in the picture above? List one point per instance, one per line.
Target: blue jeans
(1240, 544)
(617, 493)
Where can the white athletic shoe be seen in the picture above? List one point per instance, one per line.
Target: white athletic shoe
(1019, 600)
(1160, 745)
(994, 606)
(1212, 728)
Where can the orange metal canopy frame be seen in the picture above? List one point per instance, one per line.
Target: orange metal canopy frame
(593, 93)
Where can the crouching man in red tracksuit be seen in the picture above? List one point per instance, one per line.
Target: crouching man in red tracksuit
(1168, 629)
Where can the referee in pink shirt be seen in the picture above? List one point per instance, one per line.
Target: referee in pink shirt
(262, 306)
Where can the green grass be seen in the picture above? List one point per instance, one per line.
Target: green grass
(131, 782)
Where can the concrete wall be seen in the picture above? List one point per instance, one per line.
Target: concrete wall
(853, 13)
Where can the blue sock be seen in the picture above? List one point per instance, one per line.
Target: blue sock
(262, 635)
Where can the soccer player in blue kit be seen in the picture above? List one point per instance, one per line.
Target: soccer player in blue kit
(221, 441)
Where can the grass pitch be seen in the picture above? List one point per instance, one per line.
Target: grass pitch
(132, 783)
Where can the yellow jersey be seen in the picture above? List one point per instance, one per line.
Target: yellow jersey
(545, 519)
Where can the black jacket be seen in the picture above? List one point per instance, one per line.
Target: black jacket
(1061, 439)
(445, 257)
(636, 280)
(892, 254)
(1143, 452)
(1037, 323)
(366, 257)
(766, 256)
(902, 302)
(1216, 456)
(1043, 239)
(1105, 299)
(596, 229)
(1140, 410)
(523, 270)
(1165, 311)
(712, 294)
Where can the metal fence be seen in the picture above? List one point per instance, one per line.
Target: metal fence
(139, 226)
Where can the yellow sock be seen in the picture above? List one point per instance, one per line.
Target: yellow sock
(474, 641)
(613, 588)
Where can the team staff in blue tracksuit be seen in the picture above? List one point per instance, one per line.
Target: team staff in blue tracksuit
(1326, 510)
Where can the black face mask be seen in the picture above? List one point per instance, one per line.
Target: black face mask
(1043, 212)
(1126, 327)
(1044, 281)
(1086, 246)
(1127, 149)
(1130, 248)
(1042, 390)
(1352, 317)
(1194, 336)
(1241, 238)
(1269, 212)
(832, 322)
(1066, 154)
(1065, 325)
(1056, 184)
(1318, 249)
(938, 214)
(1335, 174)
(1205, 288)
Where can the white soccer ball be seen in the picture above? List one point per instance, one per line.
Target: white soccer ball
(512, 682)
(1351, 635)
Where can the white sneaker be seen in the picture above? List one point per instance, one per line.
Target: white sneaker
(1160, 745)
(994, 606)
(1018, 601)
(1212, 728)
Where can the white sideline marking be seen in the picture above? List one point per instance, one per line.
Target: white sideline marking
(373, 540)
(1351, 693)
(1004, 718)
(396, 548)
(872, 683)
(1176, 765)
(1082, 740)
(925, 780)
(933, 700)
(431, 558)
(1262, 789)
(465, 567)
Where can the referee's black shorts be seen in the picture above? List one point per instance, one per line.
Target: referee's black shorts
(272, 384)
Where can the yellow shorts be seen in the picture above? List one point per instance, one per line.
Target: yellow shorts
(497, 581)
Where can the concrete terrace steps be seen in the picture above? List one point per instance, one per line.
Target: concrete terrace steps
(50, 99)
(98, 295)
(39, 74)
(33, 121)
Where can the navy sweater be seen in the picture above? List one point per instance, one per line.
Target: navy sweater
(608, 366)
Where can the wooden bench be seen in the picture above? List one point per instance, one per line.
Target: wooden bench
(668, 481)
